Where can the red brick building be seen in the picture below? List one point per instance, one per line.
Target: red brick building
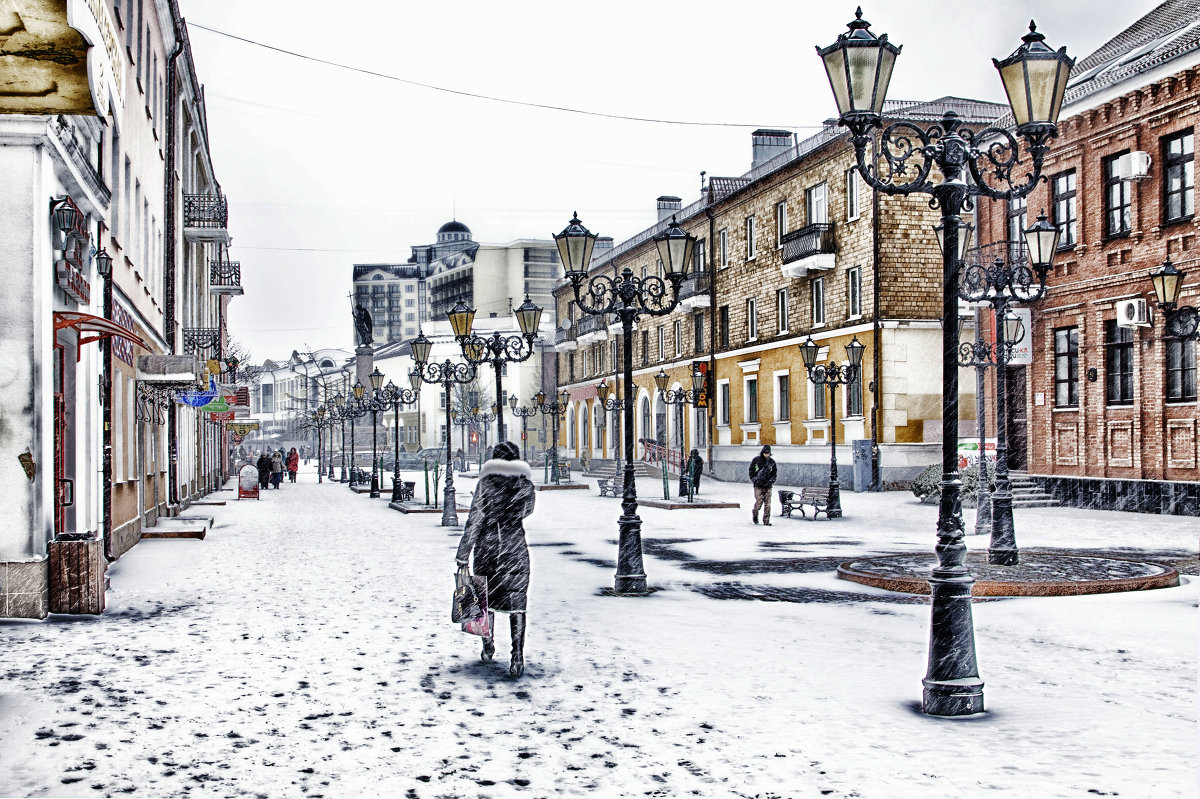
(1106, 414)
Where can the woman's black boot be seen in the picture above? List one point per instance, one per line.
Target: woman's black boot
(489, 640)
(517, 623)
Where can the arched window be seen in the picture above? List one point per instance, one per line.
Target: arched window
(570, 427)
(660, 421)
(645, 418)
(583, 427)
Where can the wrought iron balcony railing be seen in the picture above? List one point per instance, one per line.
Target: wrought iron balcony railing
(696, 284)
(225, 276)
(591, 324)
(563, 336)
(815, 239)
(205, 211)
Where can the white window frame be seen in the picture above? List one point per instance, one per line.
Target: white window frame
(723, 401)
(723, 245)
(780, 223)
(854, 292)
(751, 319)
(818, 302)
(852, 194)
(751, 252)
(678, 337)
(662, 347)
(781, 310)
(746, 381)
(778, 406)
(816, 203)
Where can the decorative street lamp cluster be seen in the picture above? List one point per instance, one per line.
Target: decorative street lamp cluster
(627, 297)
(609, 404)
(680, 397)
(496, 349)
(352, 409)
(447, 374)
(555, 409)
(832, 375)
(859, 66)
(1002, 284)
(523, 412)
(392, 396)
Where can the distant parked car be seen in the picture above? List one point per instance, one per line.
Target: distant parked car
(414, 460)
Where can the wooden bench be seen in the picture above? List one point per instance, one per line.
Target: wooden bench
(609, 486)
(564, 472)
(360, 476)
(818, 498)
(408, 490)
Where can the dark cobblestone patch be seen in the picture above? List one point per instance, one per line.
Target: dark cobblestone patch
(1067, 566)
(1182, 562)
(550, 544)
(768, 593)
(803, 544)
(771, 566)
(604, 564)
(662, 548)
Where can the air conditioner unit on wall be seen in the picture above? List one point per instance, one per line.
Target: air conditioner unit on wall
(1133, 166)
(1133, 313)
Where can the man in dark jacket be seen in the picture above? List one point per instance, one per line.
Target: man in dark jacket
(264, 470)
(762, 475)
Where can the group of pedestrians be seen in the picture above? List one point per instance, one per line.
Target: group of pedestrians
(273, 465)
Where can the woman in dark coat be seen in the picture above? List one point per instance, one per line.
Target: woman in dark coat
(495, 534)
(695, 468)
(264, 470)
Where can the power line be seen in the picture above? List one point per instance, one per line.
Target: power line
(477, 96)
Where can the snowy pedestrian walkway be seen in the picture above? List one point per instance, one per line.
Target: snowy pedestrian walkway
(304, 649)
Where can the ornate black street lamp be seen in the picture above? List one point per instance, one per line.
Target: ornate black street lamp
(555, 410)
(447, 374)
(610, 404)
(496, 349)
(859, 67)
(682, 398)
(1001, 284)
(484, 419)
(353, 410)
(1182, 323)
(339, 402)
(833, 375)
(392, 396)
(523, 412)
(104, 269)
(627, 297)
(462, 420)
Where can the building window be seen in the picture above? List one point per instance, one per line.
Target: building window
(851, 195)
(1118, 342)
(783, 393)
(751, 319)
(724, 403)
(723, 326)
(854, 291)
(698, 329)
(818, 400)
(781, 309)
(854, 395)
(816, 201)
(645, 347)
(723, 247)
(1065, 211)
(751, 400)
(1179, 183)
(698, 265)
(818, 301)
(1117, 218)
(750, 251)
(1181, 370)
(1016, 227)
(662, 349)
(780, 222)
(1066, 367)
(678, 337)
(571, 366)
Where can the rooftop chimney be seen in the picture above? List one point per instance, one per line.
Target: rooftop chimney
(668, 206)
(769, 144)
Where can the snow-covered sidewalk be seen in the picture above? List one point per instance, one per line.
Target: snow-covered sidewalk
(304, 649)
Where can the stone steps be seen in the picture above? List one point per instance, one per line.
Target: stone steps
(1028, 494)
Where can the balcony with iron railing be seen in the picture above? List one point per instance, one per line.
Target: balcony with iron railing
(564, 339)
(205, 218)
(810, 247)
(694, 292)
(225, 277)
(590, 328)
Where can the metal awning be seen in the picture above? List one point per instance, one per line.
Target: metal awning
(101, 327)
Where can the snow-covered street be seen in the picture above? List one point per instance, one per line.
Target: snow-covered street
(304, 648)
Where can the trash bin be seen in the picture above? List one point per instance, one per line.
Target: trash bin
(861, 449)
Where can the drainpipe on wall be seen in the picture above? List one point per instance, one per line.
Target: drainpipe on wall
(169, 249)
(712, 335)
(876, 360)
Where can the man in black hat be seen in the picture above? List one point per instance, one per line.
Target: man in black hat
(762, 475)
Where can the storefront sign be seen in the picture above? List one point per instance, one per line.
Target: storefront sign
(222, 416)
(219, 405)
(242, 428)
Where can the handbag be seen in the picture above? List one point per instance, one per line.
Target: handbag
(467, 603)
(475, 619)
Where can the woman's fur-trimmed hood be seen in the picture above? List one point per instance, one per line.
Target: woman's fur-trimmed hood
(504, 468)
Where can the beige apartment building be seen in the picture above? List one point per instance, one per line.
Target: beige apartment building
(799, 246)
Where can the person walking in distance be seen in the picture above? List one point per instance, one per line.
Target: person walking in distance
(276, 469)
(495, 534)
(762, 475)
(264, 470)
(293, 465)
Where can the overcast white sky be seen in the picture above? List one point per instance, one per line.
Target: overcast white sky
(325, 167)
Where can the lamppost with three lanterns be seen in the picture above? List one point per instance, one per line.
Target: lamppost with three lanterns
(833, 375)
(555, 410)
(523, 412)
(963, 165)
(392, 396)
(446, 374)
(682, 397)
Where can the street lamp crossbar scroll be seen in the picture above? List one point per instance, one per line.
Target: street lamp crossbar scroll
(627, 297)
(988, 163)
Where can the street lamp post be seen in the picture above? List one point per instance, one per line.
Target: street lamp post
(484, 420)
(104, 268)
(832, 375)
(523, 412)
(354, 409)
(1182, 323)
(496, 349)
(447, 374)
(627, 297)
(610, 404)
(375, 404)
(682, 397)
(393, 396)
(555, 410)
(463, 421)
(1001, 284)
(859, 66)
